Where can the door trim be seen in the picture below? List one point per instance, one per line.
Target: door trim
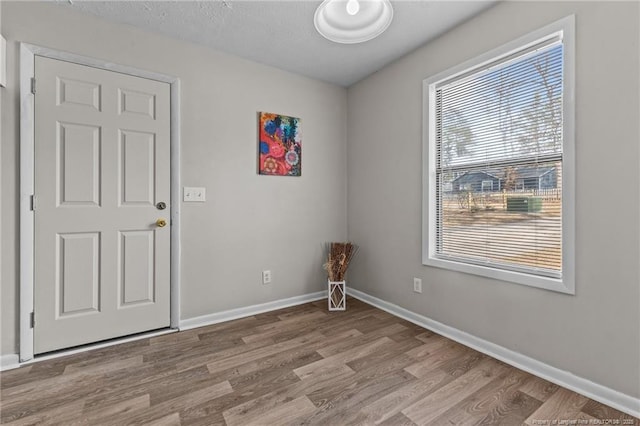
(28, 52)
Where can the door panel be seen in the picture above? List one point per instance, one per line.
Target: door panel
(102, 162)
(78, 283)
(80, 93)
(137, 103)
(137, 165)
(78, 165)
(137, 283)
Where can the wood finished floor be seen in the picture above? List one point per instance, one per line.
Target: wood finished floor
(300, 365)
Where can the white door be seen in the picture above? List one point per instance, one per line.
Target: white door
(102, 165)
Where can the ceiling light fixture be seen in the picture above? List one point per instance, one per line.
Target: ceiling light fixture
(353, 21)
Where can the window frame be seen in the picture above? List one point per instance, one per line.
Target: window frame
(565, 29)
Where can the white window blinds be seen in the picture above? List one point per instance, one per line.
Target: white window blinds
(498, 166)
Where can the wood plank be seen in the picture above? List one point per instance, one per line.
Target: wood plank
(46, 394)
(474, 408)
(265, 351)
(119, 410)
(436, 403)
(428, 348)
(514, 409)
(189, 336)
(600, 411)
(282, 414)
(394, 402)
(171, 386)
(341, 405)
(267, 401)
(165, 408)
(127, 384)
(338, 347)
(398, 420)
(204, 355)
(291, 323)
(367, 325)
(540, 389)
(427, 335)
(172, 419)
(439, 357)
(460, 365)
(277, 370)
(62, 414)
(391, 359)
(103, 368)
(562, 405)
(339, 359)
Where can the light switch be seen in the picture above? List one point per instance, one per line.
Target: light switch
(193, 194)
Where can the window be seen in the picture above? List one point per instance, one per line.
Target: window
(507, 114)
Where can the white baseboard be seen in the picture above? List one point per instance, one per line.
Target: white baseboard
(9, 362)
(232, 314)
(603, 394)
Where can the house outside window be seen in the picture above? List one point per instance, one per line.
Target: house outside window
(502, 124)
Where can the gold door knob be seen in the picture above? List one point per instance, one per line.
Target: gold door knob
(161, 223)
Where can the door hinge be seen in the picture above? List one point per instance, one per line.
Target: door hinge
(33, 85)
(33, 203)
(33, 319)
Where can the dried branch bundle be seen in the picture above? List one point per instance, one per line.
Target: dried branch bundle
(339, 256)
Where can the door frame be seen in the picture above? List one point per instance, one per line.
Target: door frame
(28, 52)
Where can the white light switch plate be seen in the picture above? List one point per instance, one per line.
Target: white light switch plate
(193, 194)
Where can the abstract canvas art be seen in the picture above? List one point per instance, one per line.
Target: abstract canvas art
(280, 147)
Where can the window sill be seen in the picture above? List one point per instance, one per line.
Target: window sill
(560, 285)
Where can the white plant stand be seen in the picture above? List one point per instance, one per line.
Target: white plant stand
(337, 296)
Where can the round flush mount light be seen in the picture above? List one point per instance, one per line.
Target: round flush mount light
(353, 21)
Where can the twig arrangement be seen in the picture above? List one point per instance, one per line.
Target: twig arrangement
(339, 256)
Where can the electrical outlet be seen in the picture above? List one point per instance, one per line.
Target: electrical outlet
(417, 285)
(192, 194)
(266, 277)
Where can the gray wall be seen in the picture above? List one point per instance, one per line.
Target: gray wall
(249, 222)
(594, 334)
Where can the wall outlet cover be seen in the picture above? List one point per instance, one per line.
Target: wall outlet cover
(417, 285)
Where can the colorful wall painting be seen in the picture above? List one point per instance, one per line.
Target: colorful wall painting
(280, 147)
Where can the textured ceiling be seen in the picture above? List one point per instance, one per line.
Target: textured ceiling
(281, 33)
